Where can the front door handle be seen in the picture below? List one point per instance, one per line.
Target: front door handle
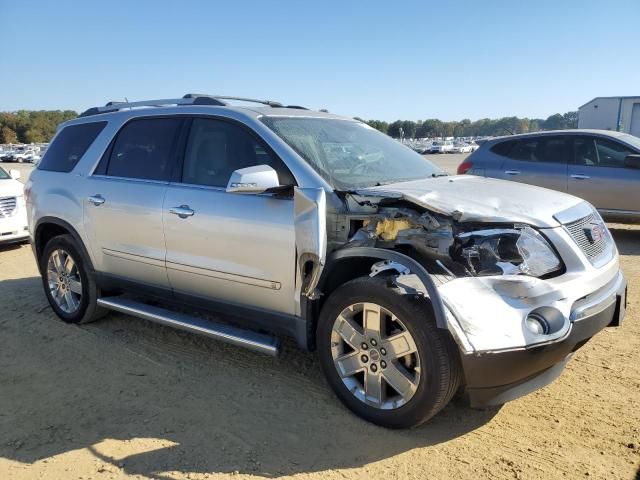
(580, 176)
(512, 172)
(97, 200)
(183, 211)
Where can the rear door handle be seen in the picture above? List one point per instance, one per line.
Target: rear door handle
(183, 211)
(580, 176)
(512, 172)
(97, 200)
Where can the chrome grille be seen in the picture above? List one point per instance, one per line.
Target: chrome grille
(579, 231)
(7, 206)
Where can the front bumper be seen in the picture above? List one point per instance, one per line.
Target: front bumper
(14, 228)
(494, 378)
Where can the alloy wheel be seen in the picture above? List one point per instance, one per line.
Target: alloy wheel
(375, 356)
(63, 278)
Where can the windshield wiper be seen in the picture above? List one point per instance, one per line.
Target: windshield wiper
(441, 174)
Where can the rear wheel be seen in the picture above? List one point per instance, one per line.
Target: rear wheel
(68, 281)
(383, 355)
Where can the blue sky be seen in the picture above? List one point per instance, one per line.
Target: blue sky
(386, 60)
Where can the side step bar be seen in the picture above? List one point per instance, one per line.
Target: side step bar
(225, 333)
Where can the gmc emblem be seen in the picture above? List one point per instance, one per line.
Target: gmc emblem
(595, 232)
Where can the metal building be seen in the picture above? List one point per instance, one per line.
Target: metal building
(621, 114)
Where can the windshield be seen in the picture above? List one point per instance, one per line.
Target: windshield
(631, 140)
(351, 155)
(3, 174)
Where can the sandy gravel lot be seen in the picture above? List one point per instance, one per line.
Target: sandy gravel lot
(124, 398)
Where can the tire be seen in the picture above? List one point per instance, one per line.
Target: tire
(86, 292)
(436, 355)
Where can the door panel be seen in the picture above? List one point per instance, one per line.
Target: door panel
(598, 175)
(126, 230)
(123, 200)
(540, 161)
(236, 248)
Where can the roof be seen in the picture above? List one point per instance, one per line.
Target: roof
(199, 101)
(607, 98)
(580, 131)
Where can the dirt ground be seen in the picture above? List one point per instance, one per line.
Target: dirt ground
(124, 398)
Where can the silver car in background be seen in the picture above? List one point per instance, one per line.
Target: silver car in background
(600, 166)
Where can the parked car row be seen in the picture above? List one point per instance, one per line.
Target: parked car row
(444, 146)
(600, 166)
(21, 155)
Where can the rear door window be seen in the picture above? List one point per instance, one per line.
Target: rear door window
(542, 149)
(145, 149)
(69, 146)
(584, 151)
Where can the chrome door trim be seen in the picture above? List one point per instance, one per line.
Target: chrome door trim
(156, 262)
(232, 277)
(130, 179)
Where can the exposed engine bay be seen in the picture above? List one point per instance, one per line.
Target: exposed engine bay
(442, 243)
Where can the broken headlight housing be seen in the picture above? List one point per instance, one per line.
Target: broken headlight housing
(509, 251)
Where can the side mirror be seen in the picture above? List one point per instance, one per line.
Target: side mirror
(15, 174)
(256, 179)
(632, 161)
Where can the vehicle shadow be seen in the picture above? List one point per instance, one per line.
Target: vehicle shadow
(149, 400)
(627, 238)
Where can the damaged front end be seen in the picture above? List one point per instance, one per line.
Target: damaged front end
(503, 291)
(445, 245)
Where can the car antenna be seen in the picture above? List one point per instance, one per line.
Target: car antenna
(508, 131)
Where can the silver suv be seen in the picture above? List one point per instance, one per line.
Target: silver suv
(411, 285)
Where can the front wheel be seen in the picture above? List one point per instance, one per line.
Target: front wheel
(384, 356)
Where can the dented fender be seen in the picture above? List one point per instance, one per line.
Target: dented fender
(310, 223)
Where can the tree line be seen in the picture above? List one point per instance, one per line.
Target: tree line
(39, 126)
(485, 127)
(33, 126)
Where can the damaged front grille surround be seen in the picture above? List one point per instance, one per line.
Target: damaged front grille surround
(591, 235)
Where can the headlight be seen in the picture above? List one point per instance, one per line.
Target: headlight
(507, 252)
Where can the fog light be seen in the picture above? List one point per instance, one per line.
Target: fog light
(537, 324)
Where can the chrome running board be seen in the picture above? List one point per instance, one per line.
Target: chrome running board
(225, 333)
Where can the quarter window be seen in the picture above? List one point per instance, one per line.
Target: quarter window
(144, 149)
(503, 148)
(216, 148)
(69, 146)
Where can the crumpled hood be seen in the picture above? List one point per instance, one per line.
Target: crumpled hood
(482, 199)
(11, 188)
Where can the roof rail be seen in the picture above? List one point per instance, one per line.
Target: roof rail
(270, 103)
(191, 100)
(188, 99)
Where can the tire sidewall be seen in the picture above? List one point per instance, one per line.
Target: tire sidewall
(416, 315)
(66, 243)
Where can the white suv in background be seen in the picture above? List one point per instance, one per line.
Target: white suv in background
(13, 214)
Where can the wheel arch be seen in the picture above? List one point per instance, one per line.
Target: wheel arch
(349, 263)
(49, 227)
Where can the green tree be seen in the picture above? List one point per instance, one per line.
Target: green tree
(7, 135)
(554, 122)
(570, 119)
